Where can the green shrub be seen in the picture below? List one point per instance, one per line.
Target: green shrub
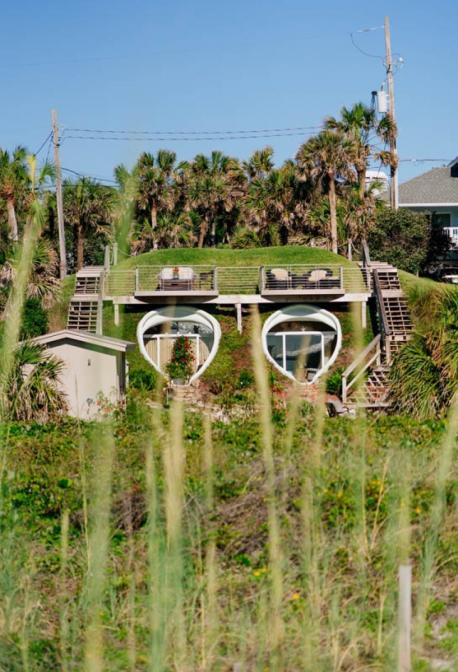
(142, 379)
(180, 366)
(402, 238)
(334, 382)
(34, 319)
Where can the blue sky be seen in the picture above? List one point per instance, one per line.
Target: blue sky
(198, 65)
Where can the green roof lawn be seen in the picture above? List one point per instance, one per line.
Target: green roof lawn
(255, 256)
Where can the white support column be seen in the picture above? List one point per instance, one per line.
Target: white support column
(238, 307)
(116, 314)
(364, 314)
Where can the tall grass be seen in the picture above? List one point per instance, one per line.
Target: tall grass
(271, 542)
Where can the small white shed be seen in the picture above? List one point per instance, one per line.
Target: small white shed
(94, 366)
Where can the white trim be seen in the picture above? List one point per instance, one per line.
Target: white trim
(179, 314)
(428, 205)
(85, 337)
(302, 313)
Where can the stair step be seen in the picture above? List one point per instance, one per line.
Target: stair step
(82, 315)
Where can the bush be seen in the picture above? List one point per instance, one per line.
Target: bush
(142, 379)
(334, 382)
(180, 366)
(402, 238)
(34, 319)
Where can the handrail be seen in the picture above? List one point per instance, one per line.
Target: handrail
(378, 292)
(361, 359)
(362, 355)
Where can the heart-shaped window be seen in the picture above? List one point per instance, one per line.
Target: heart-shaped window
(179, 341)
(302, 342)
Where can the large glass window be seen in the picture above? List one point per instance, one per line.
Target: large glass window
(300, 353)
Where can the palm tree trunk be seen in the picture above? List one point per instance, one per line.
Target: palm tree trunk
(79, 247)
(154, 225)
(333, 213)
(12, 221)
(362, 182)
(203, 231)
(213, 233)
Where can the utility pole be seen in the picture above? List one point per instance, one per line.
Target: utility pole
(59, 200)
(391, 113)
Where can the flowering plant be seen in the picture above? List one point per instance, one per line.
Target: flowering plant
(181, 363)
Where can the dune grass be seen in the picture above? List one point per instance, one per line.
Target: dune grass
(161, 540)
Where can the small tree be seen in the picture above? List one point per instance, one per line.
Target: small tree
(401, 237)
(180, 366)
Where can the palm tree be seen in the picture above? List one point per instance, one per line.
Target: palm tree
(387, 132)
(356, 124)
(260, 163)
(325, 158)
(215, 186)
(33, 389)
(154, 177)
(43, 282)
(87, 208)
(14, 179)
(270, 203)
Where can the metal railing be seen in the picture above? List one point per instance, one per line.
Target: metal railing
(371, 355)
(303, 278)
(306, 277)
(164, 279)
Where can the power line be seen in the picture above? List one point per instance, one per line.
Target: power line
(183, 138)
(91, 177)
(358, 48)
(48, 137)
(200, 133)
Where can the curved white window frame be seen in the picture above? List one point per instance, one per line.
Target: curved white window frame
(179, 314)
(302, 313)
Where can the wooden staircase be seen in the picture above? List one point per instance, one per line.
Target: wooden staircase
(395, 323)
(85, 310)
(365, 383)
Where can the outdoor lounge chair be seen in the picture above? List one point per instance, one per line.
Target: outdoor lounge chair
(176, 279)
(277, 278)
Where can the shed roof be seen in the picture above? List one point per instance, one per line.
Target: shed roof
(434, 188)
(108, 342)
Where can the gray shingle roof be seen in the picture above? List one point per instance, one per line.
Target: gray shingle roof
(432, 188)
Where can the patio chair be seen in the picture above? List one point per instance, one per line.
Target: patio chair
(277, 278)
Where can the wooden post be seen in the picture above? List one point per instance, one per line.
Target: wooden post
(404, 618)
(364, 314)
(106, 259)
(238, 307)
(115, 254)
(59, 199)
(116, 314)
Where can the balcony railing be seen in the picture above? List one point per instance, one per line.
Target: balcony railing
(300, 280)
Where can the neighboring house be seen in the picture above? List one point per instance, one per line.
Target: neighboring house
(436, 192)
(95, 368)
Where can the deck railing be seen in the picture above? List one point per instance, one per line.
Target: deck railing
(163, 279)
(301, 278)
(295, 279)
(370, 356)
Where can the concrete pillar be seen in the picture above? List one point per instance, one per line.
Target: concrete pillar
(116, 314)
(364, 314)
(238, 308)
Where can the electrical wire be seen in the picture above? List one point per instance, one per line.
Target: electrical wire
(365, 53)
(48, 137)
(183, 138)
(200, 133)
